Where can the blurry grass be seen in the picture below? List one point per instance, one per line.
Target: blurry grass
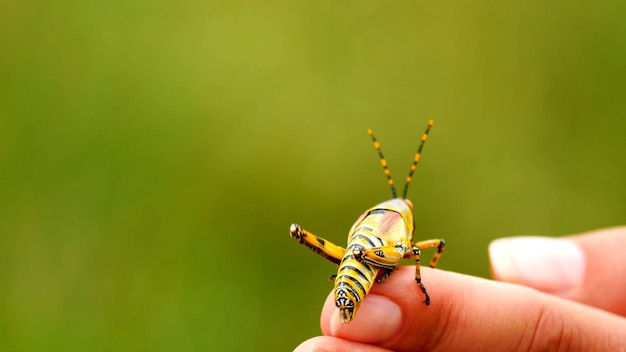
(153, 154)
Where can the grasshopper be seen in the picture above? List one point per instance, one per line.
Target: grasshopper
(379, 239)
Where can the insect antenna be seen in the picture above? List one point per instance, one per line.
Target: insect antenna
(383, 162)
(416, 159)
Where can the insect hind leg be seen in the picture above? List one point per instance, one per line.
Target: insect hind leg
(324, 248)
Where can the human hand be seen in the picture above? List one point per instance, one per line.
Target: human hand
(568, 294)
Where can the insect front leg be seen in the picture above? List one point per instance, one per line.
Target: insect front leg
(384, 274)
(384, 257)
(324, 248)
(440, 244)
(418, 274)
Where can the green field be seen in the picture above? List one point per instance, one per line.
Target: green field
(153, 154)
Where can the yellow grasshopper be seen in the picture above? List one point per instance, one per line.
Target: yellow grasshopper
(377, 241)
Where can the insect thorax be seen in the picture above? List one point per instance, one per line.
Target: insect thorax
(386, 224)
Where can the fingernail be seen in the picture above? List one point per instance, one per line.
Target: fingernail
(377, 320)
(548, 264)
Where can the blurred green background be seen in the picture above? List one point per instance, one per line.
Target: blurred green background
(154, 153)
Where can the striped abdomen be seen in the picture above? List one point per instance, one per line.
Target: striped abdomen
(355, 278)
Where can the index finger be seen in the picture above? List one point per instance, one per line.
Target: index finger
(589, 268)
(469, 312)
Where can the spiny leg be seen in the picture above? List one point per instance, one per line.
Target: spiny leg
(383, 274)
(324, 248)
(418, 274)
(440, 244)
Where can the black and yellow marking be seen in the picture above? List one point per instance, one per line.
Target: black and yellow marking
(440, 244)
(367, 257)
(383, 162)
(384, 257)
(324, 248)
(416, 159)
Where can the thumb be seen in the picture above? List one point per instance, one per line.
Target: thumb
(589, 268)
(471, 314)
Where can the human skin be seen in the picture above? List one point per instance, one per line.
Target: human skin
(548, 294)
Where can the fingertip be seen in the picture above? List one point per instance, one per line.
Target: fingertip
(378, 319)
(335, 324)
(328, 310)
(548, 264)
(315, 344)
(333, 344)
(502, 267)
